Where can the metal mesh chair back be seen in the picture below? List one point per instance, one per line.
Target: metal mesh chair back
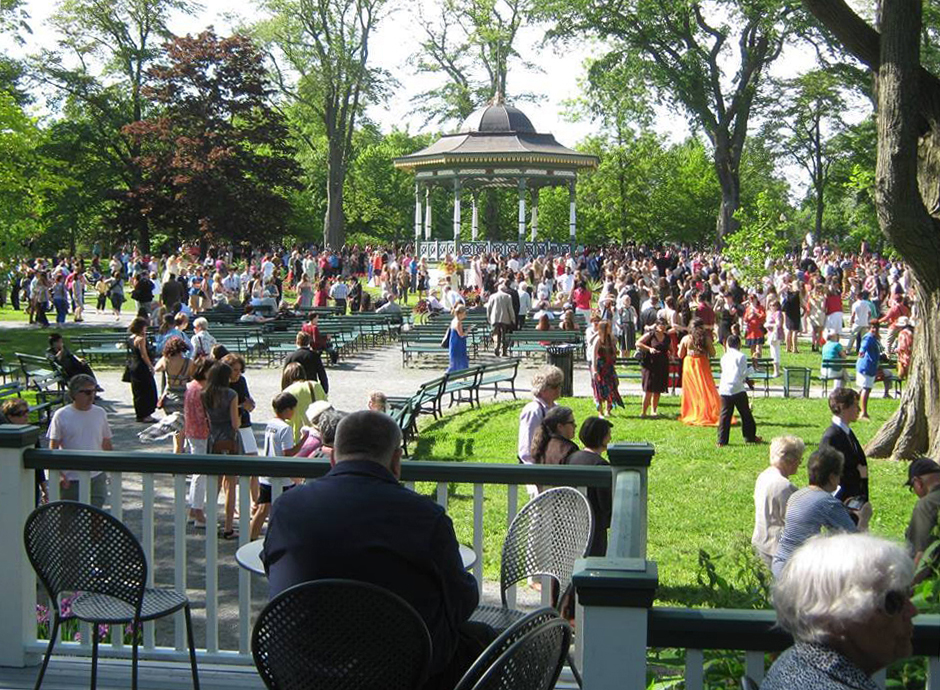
(74, 547)
(340, 635)
(514, 632)
(532, 662)
(546, 537)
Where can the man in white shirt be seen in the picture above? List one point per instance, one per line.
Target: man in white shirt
(451, 298)
(338, 293)
(860, 318)
(81, 426)
(734, 371)
(546, 389)
(566, 282)
(771, 493)
(267, 268)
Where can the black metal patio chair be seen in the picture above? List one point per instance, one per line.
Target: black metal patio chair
(340, 635)
(497, 647)
(546, 537)
(81, 550)
(532, 662)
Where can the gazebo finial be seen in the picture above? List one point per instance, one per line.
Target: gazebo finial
(497, 99)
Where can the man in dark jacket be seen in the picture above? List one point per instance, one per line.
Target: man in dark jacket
(358, 522)
(172, 293)
(311, 361)
(844, 404)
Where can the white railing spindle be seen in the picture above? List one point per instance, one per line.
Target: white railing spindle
(147, 543)
(694, 669)
(244, 577)
(179, 556)
(478, 505)
(754, 665)
(212, 569)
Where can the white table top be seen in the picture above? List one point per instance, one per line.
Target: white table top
(249, 556)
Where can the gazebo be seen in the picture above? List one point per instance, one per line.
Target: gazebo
(496, 147)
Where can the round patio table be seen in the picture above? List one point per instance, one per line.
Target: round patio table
(249, 556)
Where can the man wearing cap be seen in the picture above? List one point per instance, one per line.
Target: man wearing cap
(81, 426)
(923, 478)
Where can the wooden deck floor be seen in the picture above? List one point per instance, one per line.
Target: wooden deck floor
(71, 673)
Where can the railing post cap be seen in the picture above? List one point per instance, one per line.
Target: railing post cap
(18, 435)
(622, 582)
(631, 454)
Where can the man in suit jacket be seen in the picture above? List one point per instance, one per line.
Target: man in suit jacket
(358, 522)
(844, 404)
(502, 317)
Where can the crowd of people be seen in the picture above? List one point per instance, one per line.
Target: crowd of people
(671, 309)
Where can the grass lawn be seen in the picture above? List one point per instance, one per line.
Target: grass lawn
(700, 497)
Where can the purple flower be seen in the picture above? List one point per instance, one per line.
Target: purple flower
(42, 614)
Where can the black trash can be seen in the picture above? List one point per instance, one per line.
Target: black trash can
(562, 356)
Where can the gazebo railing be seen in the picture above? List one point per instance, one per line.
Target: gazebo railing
(437, 250)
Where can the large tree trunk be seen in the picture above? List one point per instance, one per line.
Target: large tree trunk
(915, 427)
(334, 220)
(730, 180)
(907, 177)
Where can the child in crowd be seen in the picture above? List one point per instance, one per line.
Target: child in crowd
(278, 442)
(377, 401)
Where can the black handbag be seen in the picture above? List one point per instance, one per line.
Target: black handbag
(445, 341)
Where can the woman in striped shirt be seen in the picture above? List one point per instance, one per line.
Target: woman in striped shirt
(814, 507)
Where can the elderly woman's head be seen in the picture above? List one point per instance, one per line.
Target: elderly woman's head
(850, 592)
(786, 452)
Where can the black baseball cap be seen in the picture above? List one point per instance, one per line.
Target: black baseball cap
(920, 467)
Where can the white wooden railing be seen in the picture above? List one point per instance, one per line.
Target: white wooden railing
(148, 492)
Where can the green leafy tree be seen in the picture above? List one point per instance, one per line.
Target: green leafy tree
(851, 217)
(78, 204)
(380, 198)
(216, 160)
(100, 66)
(761, 238)
(320, 54)
(471, 44)
(708, 60)
(802, 124)
(19, 198)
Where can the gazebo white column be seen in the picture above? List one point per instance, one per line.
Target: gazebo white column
(417, 213)
(427, 213)
(474, 218)
(535, 214)
(572, 213)
(456, 210)
(522, 188)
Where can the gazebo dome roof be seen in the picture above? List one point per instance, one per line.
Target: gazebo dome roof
(495, 118)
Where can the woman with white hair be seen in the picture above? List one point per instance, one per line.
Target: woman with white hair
(845, 599)
(771, 493)
(202, 341)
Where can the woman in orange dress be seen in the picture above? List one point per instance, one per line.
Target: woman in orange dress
(700, 402)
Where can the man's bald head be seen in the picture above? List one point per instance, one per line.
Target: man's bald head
(368, 435)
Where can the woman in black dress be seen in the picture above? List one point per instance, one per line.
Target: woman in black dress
(793, 313)
(655, 364)
(140, 372)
